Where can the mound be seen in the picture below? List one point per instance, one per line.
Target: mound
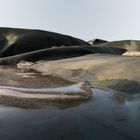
(96, 41)
(110, 71)
(34, 45)
(128, 45)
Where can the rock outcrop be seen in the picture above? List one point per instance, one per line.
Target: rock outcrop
(96, 41)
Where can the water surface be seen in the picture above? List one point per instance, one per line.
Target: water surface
(104, 117)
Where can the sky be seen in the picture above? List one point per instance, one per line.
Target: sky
(85, 19)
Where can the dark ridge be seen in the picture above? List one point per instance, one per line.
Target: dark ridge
(58, 53)
(33, 45)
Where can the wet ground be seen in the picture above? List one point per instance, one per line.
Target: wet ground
(106, 116)
(28, 88)
(11, 76)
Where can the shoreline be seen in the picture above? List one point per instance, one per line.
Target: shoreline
(25, 98)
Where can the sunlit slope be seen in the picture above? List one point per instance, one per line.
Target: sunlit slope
(117, 72)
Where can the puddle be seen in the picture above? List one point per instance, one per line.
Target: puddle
(104, 116)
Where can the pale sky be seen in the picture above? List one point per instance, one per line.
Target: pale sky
(85, 19)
